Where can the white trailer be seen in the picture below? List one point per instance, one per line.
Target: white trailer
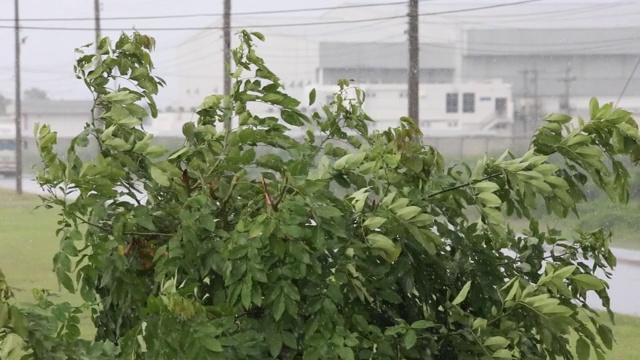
(7, 150)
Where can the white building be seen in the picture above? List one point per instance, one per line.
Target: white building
(67, 117)
(485, 106)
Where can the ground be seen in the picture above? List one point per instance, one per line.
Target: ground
(28, 243)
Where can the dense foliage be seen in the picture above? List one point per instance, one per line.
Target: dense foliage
(311, 237)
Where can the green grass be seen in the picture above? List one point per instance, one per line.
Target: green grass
(594, 214)
(627, 334)
(28, 243)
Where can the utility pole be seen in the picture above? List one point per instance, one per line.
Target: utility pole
(97, 112)
(565, 103)
(414, 63)
(226, 53)
(525, 100)
(96, 12)
(525, 82)
(18, 110)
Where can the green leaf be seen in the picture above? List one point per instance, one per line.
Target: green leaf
(155, 151)
(463, 294)
(346, 353)
(502, 354)
(248, 156)
(379, 241)
(292, 118)
(479, 323)
(386, 201)
(159, 176)
(410, 339)
(583, 349)
(123, 97)
(564, 272)
(328, 211)
(422, 324)
(606, 336)
(275, 343)
(497, 342)
(129, 122)
(350, 160)
(594, 107)
(278, 308)
(312, 97)
(489, 199)
(558, 118)
(289, 340)
(486, 186)
(374, 222)
(588, 282)
(117, 144)
(258, 35)
(65, 280)
(245, 294)
(408, 212)
(211, 344)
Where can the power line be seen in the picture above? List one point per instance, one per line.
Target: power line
(563, 12)
(478, 8)
(624, 89)
(183, 16)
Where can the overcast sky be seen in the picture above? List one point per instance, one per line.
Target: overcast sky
(48, 56)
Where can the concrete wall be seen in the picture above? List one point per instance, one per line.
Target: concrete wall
(64, 125)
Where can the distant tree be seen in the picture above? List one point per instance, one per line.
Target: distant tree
(344, 244)
(35, 94)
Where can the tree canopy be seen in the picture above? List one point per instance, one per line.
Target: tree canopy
(308, 236)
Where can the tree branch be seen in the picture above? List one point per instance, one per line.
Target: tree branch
(463, 185)
(107, 229)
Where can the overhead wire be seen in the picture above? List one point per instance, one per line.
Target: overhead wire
(318, 23)
(247, 13)
(563, 12)
(624, 89)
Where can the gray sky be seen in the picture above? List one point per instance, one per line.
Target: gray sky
(48, 56)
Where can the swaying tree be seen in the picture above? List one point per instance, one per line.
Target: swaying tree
(311, 237)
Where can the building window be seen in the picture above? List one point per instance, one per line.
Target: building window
(452, 102)
(469, 102)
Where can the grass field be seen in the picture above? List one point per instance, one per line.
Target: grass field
(28, 243)
(27, 246)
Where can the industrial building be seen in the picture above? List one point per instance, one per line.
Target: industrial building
(545, 65)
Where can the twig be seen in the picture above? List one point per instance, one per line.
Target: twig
(283, 190)
(463, 185)
(267, 197)
(107, 229)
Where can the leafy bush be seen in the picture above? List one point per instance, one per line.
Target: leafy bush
(346, 244)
